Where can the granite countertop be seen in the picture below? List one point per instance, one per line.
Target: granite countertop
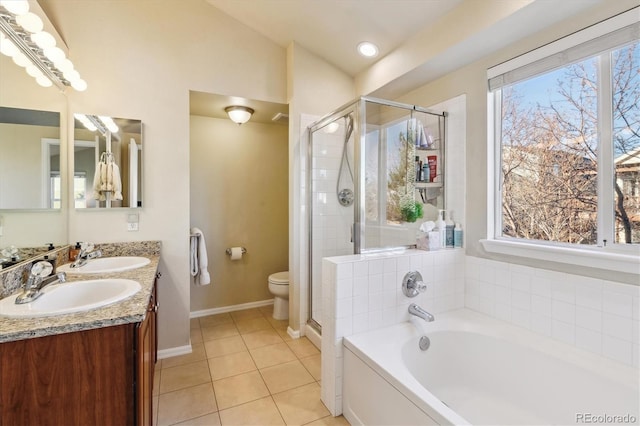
(131, 310)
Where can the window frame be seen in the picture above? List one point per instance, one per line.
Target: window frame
(612, 256)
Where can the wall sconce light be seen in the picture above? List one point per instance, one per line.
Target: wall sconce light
(22, 38)
(239, 114)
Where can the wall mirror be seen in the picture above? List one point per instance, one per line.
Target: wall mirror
(30, 159)
(107, 165)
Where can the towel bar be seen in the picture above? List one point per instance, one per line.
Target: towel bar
(228, 251)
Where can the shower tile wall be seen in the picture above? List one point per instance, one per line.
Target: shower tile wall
(331, 222)
(599, 316)
(364, 292)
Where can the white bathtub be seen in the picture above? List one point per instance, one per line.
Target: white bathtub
(480, 371)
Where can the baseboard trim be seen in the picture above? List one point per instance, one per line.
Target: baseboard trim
(232, 308)
(295, 334)
(178, 350)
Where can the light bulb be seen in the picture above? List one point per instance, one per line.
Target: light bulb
(368, 49)
(20, 59)
(55, 54)
(80, 85)
(71, 74)
(7, 47)
(65, 66)
(30, 22)
(43, 81)
(43, 39)
(33, 71)
(17, 7)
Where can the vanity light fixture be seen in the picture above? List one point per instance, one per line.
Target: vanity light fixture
(239, 114)
(23, 39)
(368, 49)
(101, 123)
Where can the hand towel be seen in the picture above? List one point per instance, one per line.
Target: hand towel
(116, 183)
(97, 182)
(200, 262)
(133, 173)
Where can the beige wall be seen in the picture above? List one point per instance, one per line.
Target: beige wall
(140, 59)
(472, 81)
(239, 178)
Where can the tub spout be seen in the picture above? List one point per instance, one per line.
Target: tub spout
(419, 312)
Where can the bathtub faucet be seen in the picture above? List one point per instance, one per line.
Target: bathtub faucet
(419, 312)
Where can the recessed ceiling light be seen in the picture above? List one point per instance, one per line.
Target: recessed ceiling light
(368, 49)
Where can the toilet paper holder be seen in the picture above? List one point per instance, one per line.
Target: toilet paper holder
(228, 251)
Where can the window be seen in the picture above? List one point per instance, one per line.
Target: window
(567, 139)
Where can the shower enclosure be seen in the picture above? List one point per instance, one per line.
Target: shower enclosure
(375, 172)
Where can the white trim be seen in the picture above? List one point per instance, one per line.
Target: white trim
(313, 335)
(232, 308)
(576, 256)
(294, 334)
(178, 350)
(627, 18)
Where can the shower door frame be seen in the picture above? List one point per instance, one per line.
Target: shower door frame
(358, 107)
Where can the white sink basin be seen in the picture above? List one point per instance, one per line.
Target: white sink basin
(76, 296)
(102, 265)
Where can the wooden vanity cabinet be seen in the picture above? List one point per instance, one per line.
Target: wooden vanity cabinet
(92, 377)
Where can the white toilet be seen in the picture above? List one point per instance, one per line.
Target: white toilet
(279, 287)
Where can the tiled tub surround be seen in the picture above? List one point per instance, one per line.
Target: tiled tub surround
(364, 292)
(129, 310)
(598, 316)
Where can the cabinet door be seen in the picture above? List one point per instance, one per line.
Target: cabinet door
(144, 379)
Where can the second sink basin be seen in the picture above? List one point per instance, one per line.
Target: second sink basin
(103, 265)
(76, 296)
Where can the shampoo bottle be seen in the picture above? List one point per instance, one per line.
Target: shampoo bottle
(457, 235)
(448, 231)
(441, 226)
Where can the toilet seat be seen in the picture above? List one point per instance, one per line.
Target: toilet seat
(279, 278)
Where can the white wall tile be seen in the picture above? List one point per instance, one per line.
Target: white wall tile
(375, 283)
(589, 340)
(617, 349)
(521, 281)
(361, 269)
(360, 286)
(344, 288)
(344, 270)
(589, 294)
(589, 318)
(617, 303)
(521, 300)
(617, 326)
(541, 324)
(389, 265)
(562, 311)
(541, 305)
(521, 317)
(563, 331)
(563, 290)
(541, 286)
(503, 312)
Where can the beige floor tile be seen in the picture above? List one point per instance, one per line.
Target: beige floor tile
(197, 354)
(261, 338)
(267, 310)
(312, 364)
(301, 405)
(184, 376)
(231, 365)
(266, 356)
(154, 410)
(184, 404)
(239, 389)
(284, 335)
(217, 319)
(226, 346)
(246, 314)
(262, 412)
(253, 324)
(208, 420)
(330, 421)
(286, 376)
(196, 335)
(194, 323)
(219, 331)
(303, 347)
(278, 324)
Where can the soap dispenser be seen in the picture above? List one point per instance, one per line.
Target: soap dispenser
(448, 230)
(74, 252)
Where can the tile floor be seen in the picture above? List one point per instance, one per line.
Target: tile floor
(244, 370)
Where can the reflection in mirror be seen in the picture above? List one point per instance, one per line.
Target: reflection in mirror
(107, 169)
(29, 159)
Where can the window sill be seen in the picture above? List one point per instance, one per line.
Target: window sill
(618, 262)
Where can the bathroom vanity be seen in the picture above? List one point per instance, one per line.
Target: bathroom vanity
(93, 367)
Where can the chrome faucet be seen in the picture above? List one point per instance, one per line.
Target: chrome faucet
(39, 278)
(421, 313)
(86, 253)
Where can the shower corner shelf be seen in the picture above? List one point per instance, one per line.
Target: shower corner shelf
(427, 149)
(428, 184)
